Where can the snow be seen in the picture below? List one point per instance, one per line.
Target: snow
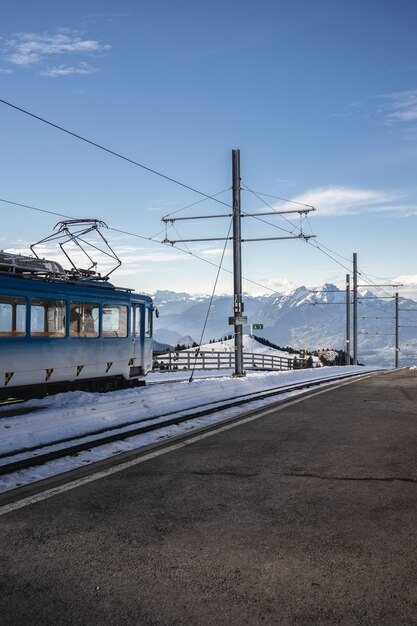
(76, 414)
(250, 344)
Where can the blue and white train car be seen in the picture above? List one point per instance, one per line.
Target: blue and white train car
(59, 331)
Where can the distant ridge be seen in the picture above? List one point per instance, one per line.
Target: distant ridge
(303, 319)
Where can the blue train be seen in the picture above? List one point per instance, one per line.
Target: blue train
(60, 331)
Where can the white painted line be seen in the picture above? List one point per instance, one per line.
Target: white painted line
(49, 493)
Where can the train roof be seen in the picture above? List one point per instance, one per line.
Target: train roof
(18, 264)
(16, 267)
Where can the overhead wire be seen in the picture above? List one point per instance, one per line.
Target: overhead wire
(187, 251)
(259, 193)
(136, 235)
(190, 205)
(211, 300)
(109, 151)
(181, 240)
(327, 252)
(272, 209)
(152, 238)
(198, 202)
(315, 244)
(33, 208)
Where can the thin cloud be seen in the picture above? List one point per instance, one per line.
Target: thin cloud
(151, 257)
(268, 285)
(100, 18)
(215, 252)
(403, 210)
(399, 106)
(407, 280)
(339, 201)
(28, 50)
(409, 285)
(350, 110)
(162, 205)
(66, 70)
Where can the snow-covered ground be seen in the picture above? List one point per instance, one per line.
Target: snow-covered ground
(250, 344)
(220, 354)
(78, 413)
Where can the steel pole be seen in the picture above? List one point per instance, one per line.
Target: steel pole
(355, 308)
(347, 361)
(237, 263)
(397, 332)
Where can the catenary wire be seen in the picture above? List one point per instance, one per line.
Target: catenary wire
(258, 193)
(121, 231)
(211, 300)
(112, 152)
(198, 202)
(136, 235)
(149, 169)
(315, 244)
(124, 232)
(272, 209)
(157, 173)
(33, 208)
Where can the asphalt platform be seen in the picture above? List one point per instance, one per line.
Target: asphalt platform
(307, 515)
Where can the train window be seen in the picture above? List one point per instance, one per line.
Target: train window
(12, 316)
(136, 321)
(114, 320)
(84, 318)
(47, 318)
(148, 327)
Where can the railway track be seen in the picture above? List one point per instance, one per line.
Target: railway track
(30, 457)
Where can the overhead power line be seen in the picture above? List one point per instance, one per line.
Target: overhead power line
(131, 234)
(259, 193)
(152, 171)
(34, 208)
(109, 151)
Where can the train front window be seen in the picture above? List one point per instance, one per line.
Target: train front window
(47, 318)
(12, 316)
(114, 320)
(84, 317)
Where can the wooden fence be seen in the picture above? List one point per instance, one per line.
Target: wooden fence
(223, 360)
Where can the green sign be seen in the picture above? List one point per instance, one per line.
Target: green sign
(257, 326)
(238, 320)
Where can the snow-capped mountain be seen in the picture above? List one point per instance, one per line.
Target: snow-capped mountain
(303, 319)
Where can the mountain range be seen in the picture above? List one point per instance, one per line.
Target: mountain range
(303, 319)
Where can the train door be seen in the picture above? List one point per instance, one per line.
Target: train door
(148, 340)
(137, 332)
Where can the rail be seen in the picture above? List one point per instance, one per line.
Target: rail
(31, 456)
(203, 360)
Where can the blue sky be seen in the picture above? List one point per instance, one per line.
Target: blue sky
(320, 97)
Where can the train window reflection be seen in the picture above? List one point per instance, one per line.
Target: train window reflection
(114, 320)
(12, 316)
(84, 318)
(47, 318)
